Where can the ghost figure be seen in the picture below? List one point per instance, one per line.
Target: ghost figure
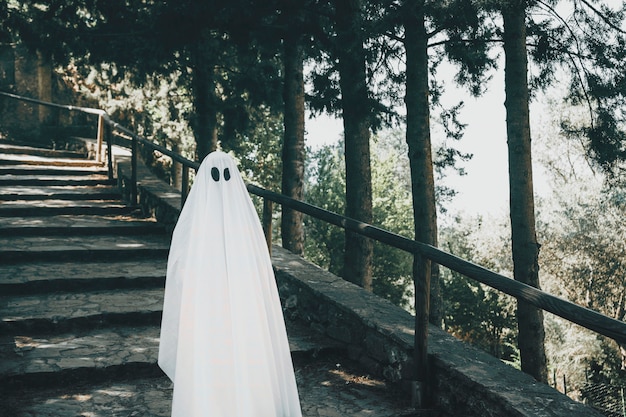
(223, 339)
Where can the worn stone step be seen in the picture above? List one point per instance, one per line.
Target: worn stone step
(54, 180)
(15, 149)
(42, 277)
(75, 312)
(136, 397)
(86, 163)
(427, 412)
(25, 208)
(94, 348)
(329, 385)
(59, 192)
(66, 311)
(110, 346)
(29, 356)
(50, 170)
(119, 352)
(85, 248)
(46, 157)
(79, 225)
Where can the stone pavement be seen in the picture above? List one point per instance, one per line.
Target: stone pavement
(81, 289)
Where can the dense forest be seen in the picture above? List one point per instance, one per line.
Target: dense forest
(242, 75)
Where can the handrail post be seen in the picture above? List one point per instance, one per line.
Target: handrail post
(100, 138)
(421, 278)
(133, 174)
(109, 138)
(267, 222)
(184, 186)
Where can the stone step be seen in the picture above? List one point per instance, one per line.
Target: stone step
(29, 348)
(47, 352)
(88, 349)
(54, 180)
(58, 192)
(75, 163)
(25, 208)
(14, 149)
(426, 412)
(133, 397)
(84, 248)
(42, 277)
(68, 311)
(328, 387)
(79, 225)
(28, 356)
(35, 170)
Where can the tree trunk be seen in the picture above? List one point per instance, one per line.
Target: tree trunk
(356, 124)
(292, 231)
(44, 88)
(620, 314)
(422, 179)
(204, 98)
(176, 171)
(522, 207)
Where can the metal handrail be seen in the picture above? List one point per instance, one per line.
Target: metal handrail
(590, 319)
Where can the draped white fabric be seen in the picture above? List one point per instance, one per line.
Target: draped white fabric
(223, 339)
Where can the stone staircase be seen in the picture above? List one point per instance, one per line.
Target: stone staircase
(81, 277)
(81, 290)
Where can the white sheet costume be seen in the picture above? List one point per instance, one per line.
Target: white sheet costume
(223, 339)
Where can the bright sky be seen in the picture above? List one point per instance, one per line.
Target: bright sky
(485, 186)
(484, 189)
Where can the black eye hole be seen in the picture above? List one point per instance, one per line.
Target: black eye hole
(226, 174)
(215, 173)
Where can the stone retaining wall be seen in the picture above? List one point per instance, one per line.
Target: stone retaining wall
(465, 381)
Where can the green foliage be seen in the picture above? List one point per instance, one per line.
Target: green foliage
(590, 45)
(452, 26)
(465, 23)
(258, 148)
(7, 7)
(325, 188)
(473, 312)
(581, 231)
(583, 255)
(576, 353)
(391, 211)
(588, 235)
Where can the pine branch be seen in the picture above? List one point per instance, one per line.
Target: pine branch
(573, 56)
(603, 17)
(468, 41)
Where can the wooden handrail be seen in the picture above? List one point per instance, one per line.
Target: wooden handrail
(590, 319)
(119, 130)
